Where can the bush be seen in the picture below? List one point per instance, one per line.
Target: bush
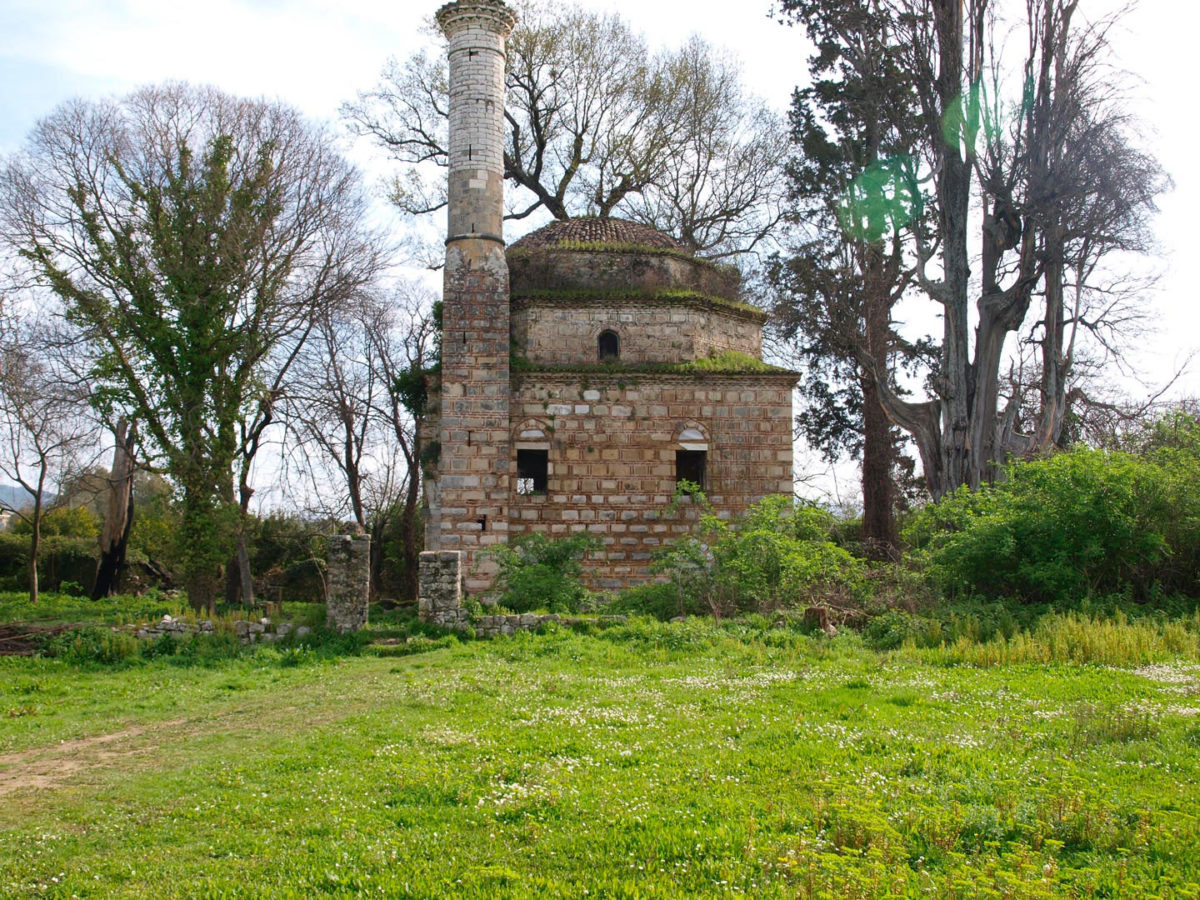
(538, 572)
(662, 600)
(1087, 523)
(61, 560)
(776, 556)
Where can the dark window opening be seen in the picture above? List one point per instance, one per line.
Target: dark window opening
(609, 346)
(533, 467)
(690, 466)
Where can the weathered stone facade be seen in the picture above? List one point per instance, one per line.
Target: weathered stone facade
(441, 589)
(584, 374)
(612, 442)
(348, 582)
(657, 332)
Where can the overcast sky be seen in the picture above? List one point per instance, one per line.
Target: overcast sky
(316, 54)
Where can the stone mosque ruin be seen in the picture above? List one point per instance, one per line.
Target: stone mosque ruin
(586, 370)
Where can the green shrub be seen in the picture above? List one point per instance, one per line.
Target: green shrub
(894, 628)
(96, 646)
(62, 559)
(1081, 524)
(662, 600)
(538, 572)
(63, 521)
(776, 556)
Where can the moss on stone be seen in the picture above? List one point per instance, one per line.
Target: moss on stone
(604, 247)
(672, 295)
(729, 362)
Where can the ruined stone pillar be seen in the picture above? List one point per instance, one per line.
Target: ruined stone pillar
(474, 455)
(441, 588)
(348, 582)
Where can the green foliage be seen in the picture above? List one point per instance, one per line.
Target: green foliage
(98, 646)
(895, 628)
(194, 264)
(1081, 524)
(55, 608)
(63, 521)
(287, 555)
(1074, 639)
(60, 559)
(777, 556)
(661, 599)
(411, 387)
(538, 572)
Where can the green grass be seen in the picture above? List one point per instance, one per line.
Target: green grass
(644, 760)
(63, 608)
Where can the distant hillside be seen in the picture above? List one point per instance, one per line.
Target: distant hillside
(13, 496)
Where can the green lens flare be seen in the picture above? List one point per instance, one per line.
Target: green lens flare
(881, 200)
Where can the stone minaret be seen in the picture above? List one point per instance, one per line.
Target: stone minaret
(473, 486)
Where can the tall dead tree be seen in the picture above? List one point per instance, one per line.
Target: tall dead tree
(1019, 178)
(118, 518)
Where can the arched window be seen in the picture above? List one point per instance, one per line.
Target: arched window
(533, 460)
(609, 346)
(691, 459)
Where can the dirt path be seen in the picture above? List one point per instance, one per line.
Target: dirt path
(50, 766)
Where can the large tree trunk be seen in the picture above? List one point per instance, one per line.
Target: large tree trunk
(245, 576)
(878, 485)
(35, 541)
(954, 195)
(118, 520)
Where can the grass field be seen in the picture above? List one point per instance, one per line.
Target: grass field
(643, 761)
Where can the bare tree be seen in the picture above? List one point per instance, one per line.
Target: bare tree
(193, 236)
(1032, 192)
(44, 427)
(599, 125)
(356, 421)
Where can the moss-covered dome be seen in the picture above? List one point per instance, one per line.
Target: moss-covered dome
(594, 231)
(605, 255)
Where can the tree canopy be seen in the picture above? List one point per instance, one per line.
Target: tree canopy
(193, 237)
(598, 125)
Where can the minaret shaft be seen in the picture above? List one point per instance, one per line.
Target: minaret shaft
(474, 432)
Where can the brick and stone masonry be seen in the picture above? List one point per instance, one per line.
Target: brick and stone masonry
(611, 450)
(611, 323)
(348, 582)
(473, 463)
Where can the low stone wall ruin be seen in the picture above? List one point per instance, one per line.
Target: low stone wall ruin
(441, 602)
(248, 632)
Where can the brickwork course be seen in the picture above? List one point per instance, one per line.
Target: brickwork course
(598, 349)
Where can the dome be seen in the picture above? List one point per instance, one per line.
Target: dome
(594, 255)
(597, 230)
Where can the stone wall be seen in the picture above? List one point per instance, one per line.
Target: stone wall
(613, 269)
(248, 631)
(348, 583)
(555, 333)
(440, 598)
(612, 445)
